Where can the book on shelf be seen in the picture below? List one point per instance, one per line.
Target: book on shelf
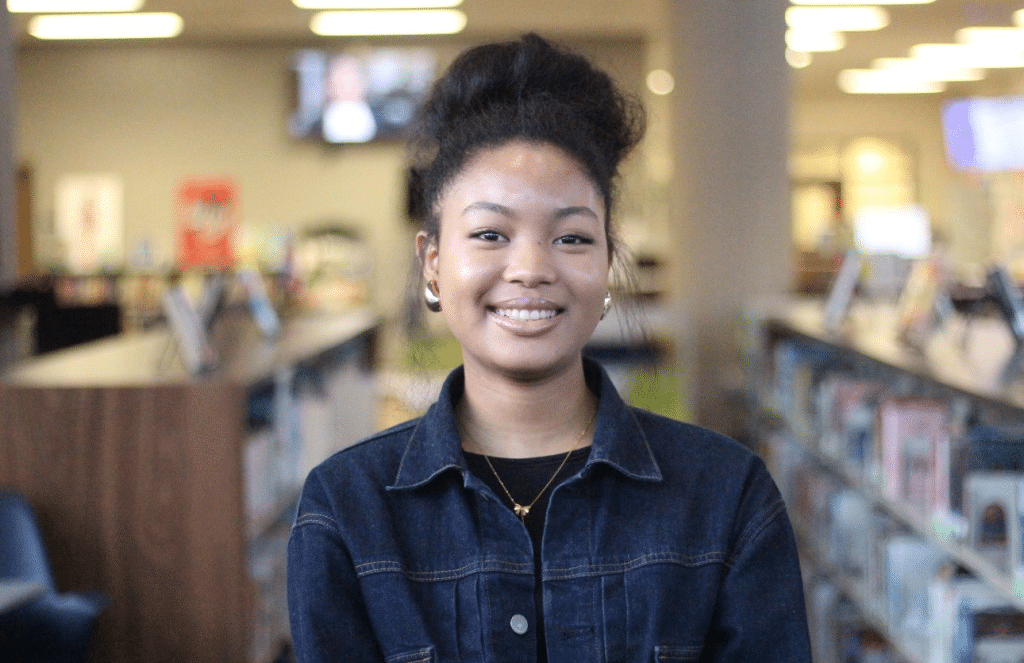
(882, 528)
(189, 334)
(914, 450)
(848, 428)
(912, 565)
(840, 295)
(1004, 290)
(924, 304)
(974, 624)
(849, 519)
(995, 511)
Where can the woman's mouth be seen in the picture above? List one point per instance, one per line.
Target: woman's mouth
(522, 315)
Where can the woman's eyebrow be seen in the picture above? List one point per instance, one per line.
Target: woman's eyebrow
(483, 205)
(573, 211)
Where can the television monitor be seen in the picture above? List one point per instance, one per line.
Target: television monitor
(359, 95)
(984, 134)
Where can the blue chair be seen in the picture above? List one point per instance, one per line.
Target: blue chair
(56, 626)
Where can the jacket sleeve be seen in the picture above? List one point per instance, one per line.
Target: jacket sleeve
(760, 614)
(329, 621)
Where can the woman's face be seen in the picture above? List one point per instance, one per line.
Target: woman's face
(522, 259)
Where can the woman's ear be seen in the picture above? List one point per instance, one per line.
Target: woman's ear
(426, 251)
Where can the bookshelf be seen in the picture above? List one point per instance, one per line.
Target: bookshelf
(174, 494)
(873, 443)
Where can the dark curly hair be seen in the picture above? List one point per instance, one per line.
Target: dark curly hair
(526, 89)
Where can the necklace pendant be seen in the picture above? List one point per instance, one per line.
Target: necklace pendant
(520, 510)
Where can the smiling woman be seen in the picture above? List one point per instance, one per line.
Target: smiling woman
(522, 264)
(530, 514)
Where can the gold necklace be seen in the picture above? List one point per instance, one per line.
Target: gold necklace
(522, 510)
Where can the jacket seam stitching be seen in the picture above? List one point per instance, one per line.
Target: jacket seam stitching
(317, 519)
(388, 566)
(771, 514)
(638, 562)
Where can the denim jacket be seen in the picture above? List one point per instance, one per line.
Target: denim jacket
(671, 544)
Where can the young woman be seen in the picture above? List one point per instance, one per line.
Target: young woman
(530, 515)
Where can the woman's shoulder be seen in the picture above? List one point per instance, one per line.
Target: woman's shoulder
(378, 455)
(687, 446)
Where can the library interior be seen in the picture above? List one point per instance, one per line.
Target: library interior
(207, 246)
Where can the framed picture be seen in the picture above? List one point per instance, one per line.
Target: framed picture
(206, 218)
(89, 222)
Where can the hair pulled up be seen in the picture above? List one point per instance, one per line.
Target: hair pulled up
(525, 89)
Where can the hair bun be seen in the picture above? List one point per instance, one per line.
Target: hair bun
(528, 89)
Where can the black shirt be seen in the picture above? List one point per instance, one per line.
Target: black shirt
(524, 478)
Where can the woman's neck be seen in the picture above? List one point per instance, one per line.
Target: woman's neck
(512, 419)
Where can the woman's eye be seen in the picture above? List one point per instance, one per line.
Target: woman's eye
(574, 240)
(488, 235)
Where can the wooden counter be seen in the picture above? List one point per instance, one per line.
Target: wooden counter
(143, 476)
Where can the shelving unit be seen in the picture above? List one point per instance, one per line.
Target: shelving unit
(971, 364)
(173, 493)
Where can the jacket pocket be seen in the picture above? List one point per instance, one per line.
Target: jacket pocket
(418, 656)
(674, 653)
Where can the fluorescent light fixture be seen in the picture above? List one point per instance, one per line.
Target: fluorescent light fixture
(72, 6)
(992, 37)
(106, 26)
(366, 23)
(845, 19)
(814, 41)
(976, 55)
(879, 81)
(929, 70)
(376, 4)
(861, 2)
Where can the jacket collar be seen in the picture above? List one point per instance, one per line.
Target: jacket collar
(434, 446)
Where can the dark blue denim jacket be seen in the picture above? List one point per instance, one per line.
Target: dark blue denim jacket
(671, 544)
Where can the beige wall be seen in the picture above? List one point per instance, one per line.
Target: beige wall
(157, 113)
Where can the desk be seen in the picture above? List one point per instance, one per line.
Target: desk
(15, 592)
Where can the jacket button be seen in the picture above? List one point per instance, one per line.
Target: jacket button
(519, 624)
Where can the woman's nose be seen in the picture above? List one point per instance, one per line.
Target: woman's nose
(529, 263)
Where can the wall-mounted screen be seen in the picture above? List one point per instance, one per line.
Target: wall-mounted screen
(984, 134)
(359, 95)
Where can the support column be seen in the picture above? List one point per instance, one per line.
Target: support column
(8, 205)
(732, 185)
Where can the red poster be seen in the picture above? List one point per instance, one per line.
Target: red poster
(206, 213)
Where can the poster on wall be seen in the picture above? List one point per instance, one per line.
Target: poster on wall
(89, 222)
(206, 219)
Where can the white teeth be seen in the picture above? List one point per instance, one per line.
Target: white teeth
(523, 314)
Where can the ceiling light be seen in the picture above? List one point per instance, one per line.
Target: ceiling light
(846, 19)
(814, 41)
(106, 26)
(72, 6)
(929, 70)
(798, 59)
(879, 81)
(366, 23)
(376, 4)
(660, 82)
(975, 55)
(992, 37)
